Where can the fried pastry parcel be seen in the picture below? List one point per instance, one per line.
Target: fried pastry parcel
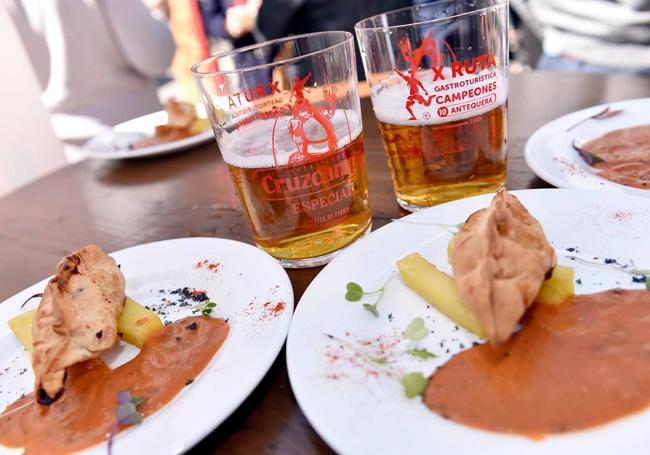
(500, 260)
(77, 317)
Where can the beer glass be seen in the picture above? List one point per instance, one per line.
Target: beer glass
(438, 75)
(287, 119)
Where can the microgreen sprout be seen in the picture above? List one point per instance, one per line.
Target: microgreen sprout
(421, 353)
(126, 413)
(414, 384)
(354, 293)
(205, 307)
(416, 330)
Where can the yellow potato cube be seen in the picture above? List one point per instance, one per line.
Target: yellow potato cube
(559, 287)
(439, 289)
(136, 323)
(21, 326)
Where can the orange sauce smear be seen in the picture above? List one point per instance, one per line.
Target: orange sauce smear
(85, 414)
(573, 366)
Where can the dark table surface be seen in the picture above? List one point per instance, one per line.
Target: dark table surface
(124, 203)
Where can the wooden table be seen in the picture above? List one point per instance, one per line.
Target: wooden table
(120, 204)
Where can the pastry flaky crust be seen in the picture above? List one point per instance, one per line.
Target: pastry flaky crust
(500, 261)
(77, 317)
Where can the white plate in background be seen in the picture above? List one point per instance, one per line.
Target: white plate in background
(550, 155)
(113, 144)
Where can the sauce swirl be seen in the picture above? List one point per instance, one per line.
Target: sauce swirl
(573, 366)
(169, 360)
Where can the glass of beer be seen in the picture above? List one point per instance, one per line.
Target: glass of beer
(438, 76)
(287, 119)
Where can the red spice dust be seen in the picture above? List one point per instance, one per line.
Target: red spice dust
(568, 167)
(272, 309)
(207, 265)
(622, 215)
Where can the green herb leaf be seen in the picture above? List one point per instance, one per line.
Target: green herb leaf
(379, 360)
(414, 384)
(206, 312)
(352, 297)
(416, 330)
(211, 305)
(372, 309)
(421, 353)
(647, 283)
(354, 287)
(354, 292)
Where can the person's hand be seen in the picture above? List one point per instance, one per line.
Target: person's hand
(241, 19)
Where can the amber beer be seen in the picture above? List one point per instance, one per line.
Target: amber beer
(435, 163)
(308, 209)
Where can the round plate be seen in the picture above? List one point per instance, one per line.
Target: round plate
(113, 144)
(351, 399)
(246, 284)
(550, 155)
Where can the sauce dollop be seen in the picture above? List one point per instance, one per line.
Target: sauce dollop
(169, 360)
(573, 366)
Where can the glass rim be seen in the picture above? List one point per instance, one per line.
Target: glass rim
(361, 29)
(347, 37)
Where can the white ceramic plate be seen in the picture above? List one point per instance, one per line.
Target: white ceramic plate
(358, 409)
(550, 155)
(113, 144)
(243, 282)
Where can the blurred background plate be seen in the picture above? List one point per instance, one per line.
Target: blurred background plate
(550, 155)
(114, 143)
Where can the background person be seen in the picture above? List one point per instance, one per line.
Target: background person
(603, 36)
(97, 60)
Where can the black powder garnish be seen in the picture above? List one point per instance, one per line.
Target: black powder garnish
(462, 346)
(475, 343)
(610, 261)
(571, 250)
(639, 279)
(456, 328)
(192, 326)
(390, 317)
(189, 381)
(447, 351)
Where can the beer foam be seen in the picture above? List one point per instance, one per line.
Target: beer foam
(462, 96)
(251, 145)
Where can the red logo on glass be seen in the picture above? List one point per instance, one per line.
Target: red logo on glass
(304, 112)
(417, 93)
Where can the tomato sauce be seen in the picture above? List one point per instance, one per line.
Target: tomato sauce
(572, 366)
(170, 359)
